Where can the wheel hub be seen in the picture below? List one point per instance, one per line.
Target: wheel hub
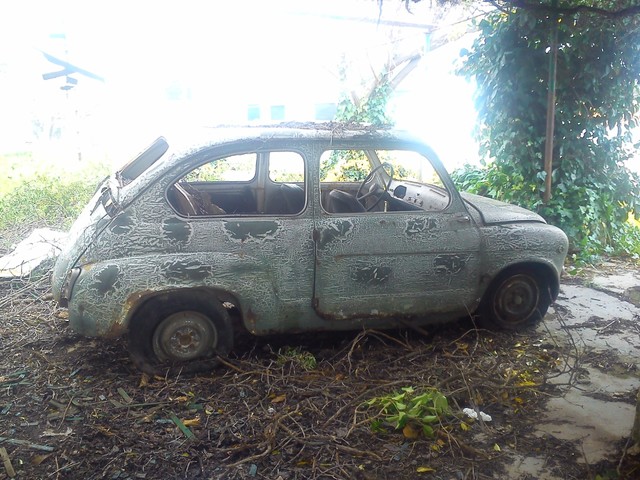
(184, 336)
(518, 298)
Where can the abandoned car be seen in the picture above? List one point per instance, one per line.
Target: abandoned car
(295, 228)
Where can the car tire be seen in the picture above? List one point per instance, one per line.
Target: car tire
(185, 334)
(516, 299)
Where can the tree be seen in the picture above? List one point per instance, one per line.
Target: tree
(609, 9)
(366, 107)
(596, 110)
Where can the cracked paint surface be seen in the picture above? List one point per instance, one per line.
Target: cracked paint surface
(259, 231)
(372, 275)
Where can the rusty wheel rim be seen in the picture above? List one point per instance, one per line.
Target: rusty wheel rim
(184, 336)
(517, 298)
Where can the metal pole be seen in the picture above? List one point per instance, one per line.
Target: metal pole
(551, 104)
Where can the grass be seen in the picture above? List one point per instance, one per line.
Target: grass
(34, 195)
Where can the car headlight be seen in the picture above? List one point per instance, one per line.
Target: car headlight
(67, 287)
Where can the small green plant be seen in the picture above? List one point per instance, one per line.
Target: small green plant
(296, 356)
(408, 407)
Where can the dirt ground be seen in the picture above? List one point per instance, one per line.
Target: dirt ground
(289, 407)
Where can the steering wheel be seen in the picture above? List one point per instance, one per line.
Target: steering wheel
(383, 166)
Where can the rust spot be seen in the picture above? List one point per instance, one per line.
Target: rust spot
(251, 321)
(115, 330)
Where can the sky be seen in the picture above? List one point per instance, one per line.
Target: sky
(171, 65)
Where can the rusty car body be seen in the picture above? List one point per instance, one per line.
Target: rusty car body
(291, 229)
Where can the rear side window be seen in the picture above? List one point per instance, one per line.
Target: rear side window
(286, 167)
(285, 187)
(237, 168)
(219, 187)
(268, 183)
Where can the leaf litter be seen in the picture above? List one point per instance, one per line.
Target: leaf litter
(283, 407)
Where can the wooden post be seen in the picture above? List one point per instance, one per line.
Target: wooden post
(551, 104)
(635, 431)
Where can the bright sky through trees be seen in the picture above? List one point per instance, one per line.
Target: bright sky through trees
(169, 65)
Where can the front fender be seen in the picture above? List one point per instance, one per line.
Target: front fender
(505, 246)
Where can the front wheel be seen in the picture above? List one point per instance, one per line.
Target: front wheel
(516, 299)
(179, 335)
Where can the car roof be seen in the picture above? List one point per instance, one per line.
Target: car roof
(184, 143)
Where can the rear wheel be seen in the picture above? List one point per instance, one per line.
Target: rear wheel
(516, 299)
(180, 334)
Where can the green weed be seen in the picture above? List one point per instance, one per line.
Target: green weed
(408, 407)
(296, 356)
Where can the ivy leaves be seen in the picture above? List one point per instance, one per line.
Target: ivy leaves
(597, 86)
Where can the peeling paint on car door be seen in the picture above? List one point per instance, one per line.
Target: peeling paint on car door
(416, 261)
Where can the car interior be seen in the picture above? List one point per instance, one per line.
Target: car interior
(376, 190)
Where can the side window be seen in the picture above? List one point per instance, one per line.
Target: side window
(286, 167)
(266, 183)
(361, 181)
(222, 186)
(284, 191)
(238, 168)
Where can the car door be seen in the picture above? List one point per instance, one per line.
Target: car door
(248, 214)
(417, 253)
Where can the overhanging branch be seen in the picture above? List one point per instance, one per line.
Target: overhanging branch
(560, 10)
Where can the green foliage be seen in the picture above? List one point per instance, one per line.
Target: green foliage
(400, 408)
(44, 201)
(296, 356)
(371, 109)
(591, 215)
(596, 108)
(627, 238)
(345, 166)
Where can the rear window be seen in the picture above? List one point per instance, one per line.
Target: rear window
(143, 161)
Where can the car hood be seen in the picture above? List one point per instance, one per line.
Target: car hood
(496, 212)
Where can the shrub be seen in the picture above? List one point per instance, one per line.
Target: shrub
(41, 201)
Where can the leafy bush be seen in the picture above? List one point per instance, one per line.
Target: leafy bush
(594, 213)
(296, 357)
(596, 112)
